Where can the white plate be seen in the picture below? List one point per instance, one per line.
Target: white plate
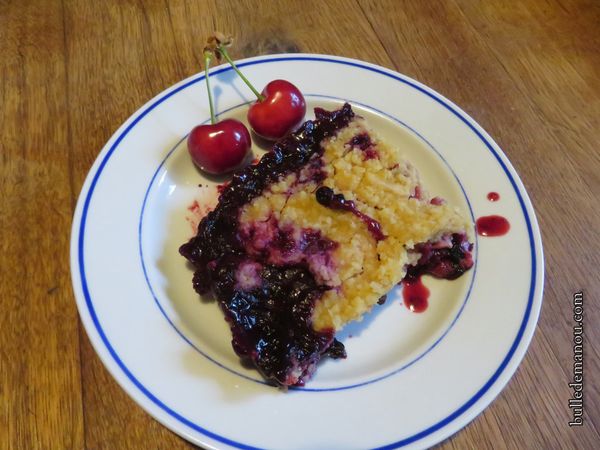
(410, 380)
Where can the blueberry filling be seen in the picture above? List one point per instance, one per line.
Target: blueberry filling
(270, 323)
(447, 258)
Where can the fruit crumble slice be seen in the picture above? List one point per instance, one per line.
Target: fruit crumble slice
(313, 236)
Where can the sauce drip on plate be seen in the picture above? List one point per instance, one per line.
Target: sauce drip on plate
(493, 196)
(415, 294)
(492, 226)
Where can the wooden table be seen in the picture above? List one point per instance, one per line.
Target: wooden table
(73, 71)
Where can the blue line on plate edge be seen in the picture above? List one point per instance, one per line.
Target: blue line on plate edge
(222, 439)
(304, 389)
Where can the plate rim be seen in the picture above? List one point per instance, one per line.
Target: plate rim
(443, 428)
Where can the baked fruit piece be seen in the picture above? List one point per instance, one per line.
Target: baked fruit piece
(312, 236)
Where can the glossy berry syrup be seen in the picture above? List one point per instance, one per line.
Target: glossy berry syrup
(492, 226)
(270, 320)
(415, 294)
(493, 196)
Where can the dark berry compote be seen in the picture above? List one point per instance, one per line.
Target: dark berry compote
(267, 304)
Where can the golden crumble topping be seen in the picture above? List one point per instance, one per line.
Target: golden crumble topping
(384, 187)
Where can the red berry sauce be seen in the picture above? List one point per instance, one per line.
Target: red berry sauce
(493, 196)
(194, 207)
(492, 226)
(415, 294)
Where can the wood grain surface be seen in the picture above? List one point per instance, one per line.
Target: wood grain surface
(72, 71)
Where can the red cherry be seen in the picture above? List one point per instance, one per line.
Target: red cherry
(280, 111)
(220, 147)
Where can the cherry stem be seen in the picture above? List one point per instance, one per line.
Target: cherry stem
(223, 51)
(207, 58)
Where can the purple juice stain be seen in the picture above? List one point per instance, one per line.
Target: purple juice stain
(326, 197)
(363, 142)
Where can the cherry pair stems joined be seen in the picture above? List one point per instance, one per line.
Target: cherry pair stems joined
(223, 146)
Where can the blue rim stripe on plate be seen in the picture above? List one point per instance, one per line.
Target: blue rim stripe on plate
(439, 100)
(305, 389)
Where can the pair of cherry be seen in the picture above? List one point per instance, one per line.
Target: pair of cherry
(223, 146)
